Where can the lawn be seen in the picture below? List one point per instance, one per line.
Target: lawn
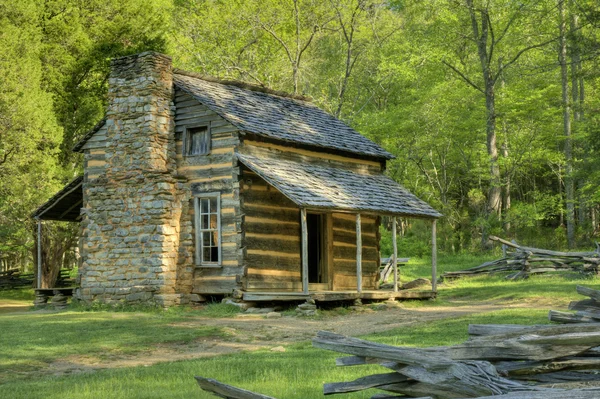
(29, 341)
(548, 289)
(297, 373)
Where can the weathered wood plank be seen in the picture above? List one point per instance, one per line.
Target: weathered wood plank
(227, 391)
(278, 245)
(371, 381)
(268, 261)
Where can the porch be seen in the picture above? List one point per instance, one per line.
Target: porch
(329, 296)
(320, 193)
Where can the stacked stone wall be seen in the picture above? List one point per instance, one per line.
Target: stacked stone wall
(132, 213)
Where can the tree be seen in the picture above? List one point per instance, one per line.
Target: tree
(494, 60)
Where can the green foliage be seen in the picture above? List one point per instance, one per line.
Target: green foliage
(22, 294)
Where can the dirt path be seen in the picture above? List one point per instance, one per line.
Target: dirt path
(10, 306)
(252, 332)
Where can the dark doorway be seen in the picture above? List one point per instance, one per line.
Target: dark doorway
(314, 225)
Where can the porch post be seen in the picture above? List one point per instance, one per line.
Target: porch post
(39, 253)
(395, 255)
(358, 255)
(304, 230)
(433, 256)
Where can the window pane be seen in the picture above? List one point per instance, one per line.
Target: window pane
(207, 222)
(207, 254)
(205, 203)
(206, 239)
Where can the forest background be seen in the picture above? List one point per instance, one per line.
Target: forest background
(490, 106)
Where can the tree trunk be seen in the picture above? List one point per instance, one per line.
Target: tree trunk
(495, 188)
(569, 183)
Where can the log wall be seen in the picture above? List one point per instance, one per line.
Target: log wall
(272, 228)
(344, 251)
(214, 172)
(94, 158)
(271, 237)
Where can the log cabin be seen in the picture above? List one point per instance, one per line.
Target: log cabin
(195, 186)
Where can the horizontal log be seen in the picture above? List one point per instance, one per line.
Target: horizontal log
(586, 304)
(350, 252)
(214, 285)
(348, 237)
(499, 329)
(579, 317)
(585, 291)
(275, 228)
(270, 197)
(528, 368)
(549, 394)
(283, 215)
(260, 261)
(278, 245)
(368, 226)
(227, 391)
(368, 382)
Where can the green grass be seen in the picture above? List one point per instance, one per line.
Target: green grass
(18, 294)
(297, 373)
(30, 341)
(547, 289)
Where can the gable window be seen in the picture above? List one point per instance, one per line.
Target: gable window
(197, 141)
(207, 210)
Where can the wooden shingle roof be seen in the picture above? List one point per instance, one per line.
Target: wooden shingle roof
(322, 187)
(64, 205)
(278, 117)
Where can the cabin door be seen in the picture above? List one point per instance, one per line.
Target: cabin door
(317, 257)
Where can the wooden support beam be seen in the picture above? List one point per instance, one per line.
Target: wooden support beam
(395, 255)
(433, 256)
(358, 254)
(70, 208)
(39, 253)
(304, 232)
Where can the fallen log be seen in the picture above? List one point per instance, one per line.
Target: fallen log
(586, 304)
(578, 317)
(524, 261)
(585, 291)
(429, 371)
(550, 394)
(227, 391)
(514, 369)
(360, 384)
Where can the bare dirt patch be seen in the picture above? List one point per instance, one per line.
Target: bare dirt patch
(11, 306)
(245, 333)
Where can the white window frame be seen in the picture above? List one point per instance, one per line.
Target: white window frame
(187, 140)
(197, 230)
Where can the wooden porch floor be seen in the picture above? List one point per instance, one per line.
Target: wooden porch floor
(323, 296)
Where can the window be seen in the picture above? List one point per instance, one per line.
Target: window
(197, 141)
(207, 209)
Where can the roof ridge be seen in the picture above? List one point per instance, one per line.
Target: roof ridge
(242, 85)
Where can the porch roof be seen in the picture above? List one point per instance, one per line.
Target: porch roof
(64, 205)
(321, 187)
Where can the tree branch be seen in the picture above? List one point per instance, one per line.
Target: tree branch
(464, 77)
(519, 54)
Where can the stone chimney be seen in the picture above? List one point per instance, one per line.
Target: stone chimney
(130, 228)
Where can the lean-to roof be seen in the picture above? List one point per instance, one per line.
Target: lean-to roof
(64, 205)
(322, 187)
